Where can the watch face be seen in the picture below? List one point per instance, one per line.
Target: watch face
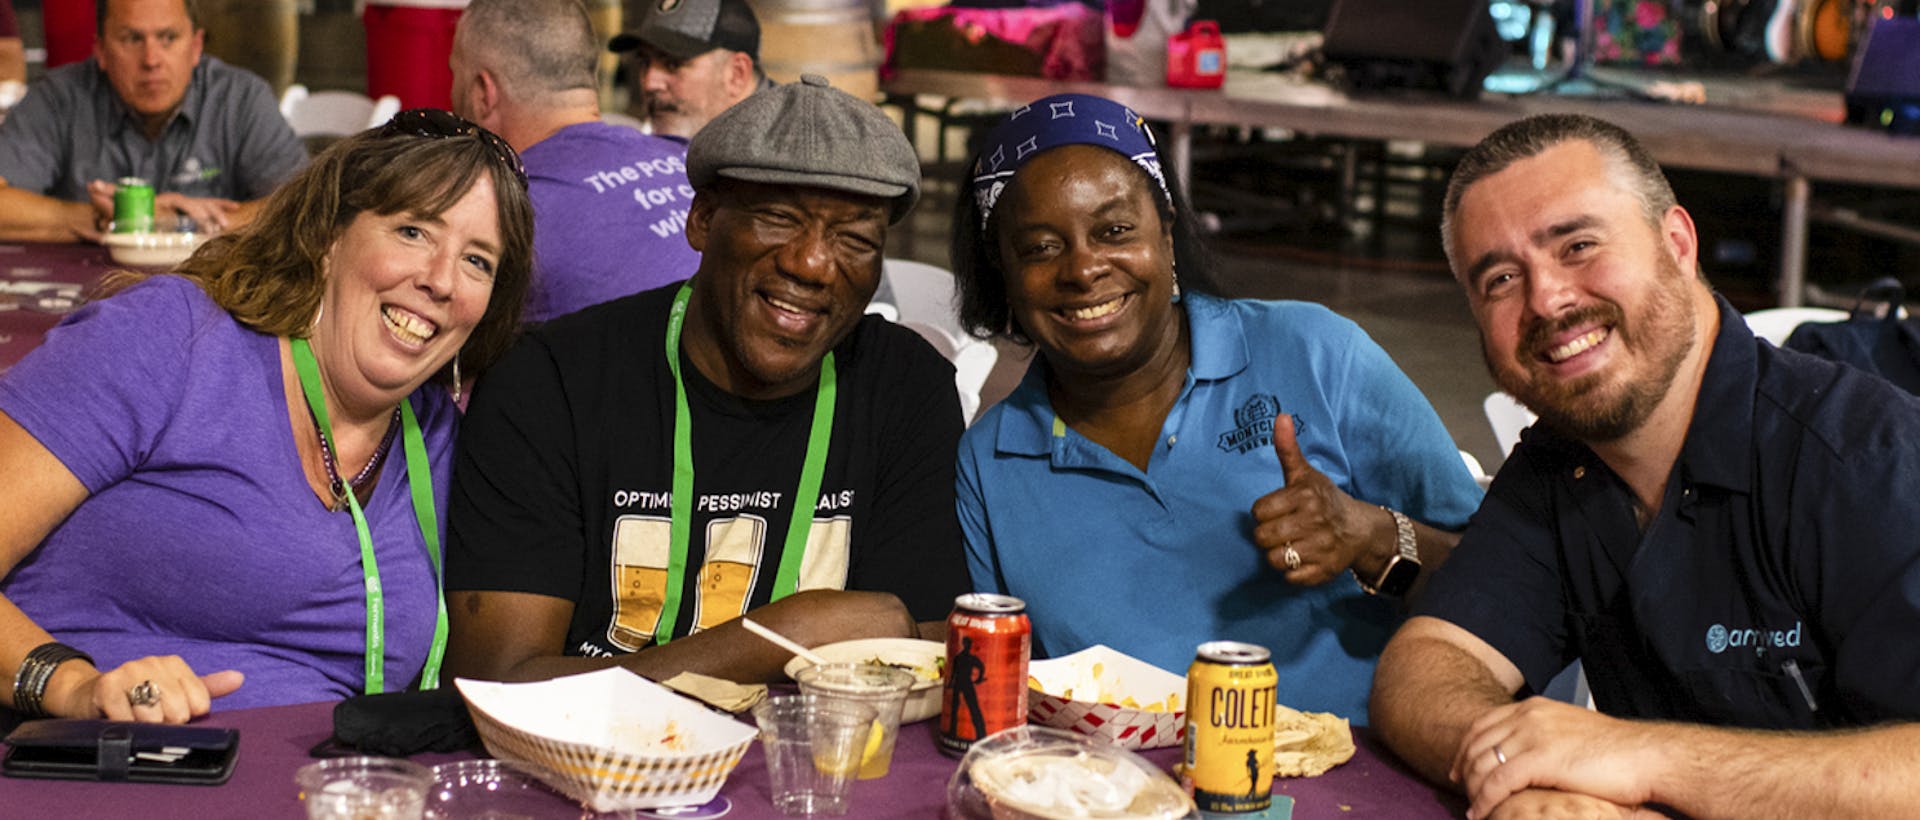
(1399, 577)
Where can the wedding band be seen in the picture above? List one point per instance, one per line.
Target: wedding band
(144, 694)
(1498, 755)
(1292, 557)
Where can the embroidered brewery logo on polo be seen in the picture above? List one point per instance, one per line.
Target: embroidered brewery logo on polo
(1253, 425)
(192, 171)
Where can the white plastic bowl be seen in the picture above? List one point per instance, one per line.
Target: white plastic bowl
(923, 700)
(152, 250)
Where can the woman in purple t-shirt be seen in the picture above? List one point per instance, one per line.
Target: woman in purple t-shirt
(232, 474)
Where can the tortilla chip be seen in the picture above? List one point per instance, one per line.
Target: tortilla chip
(1307, 744)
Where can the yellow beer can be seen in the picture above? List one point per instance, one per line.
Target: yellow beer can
(1229, 744)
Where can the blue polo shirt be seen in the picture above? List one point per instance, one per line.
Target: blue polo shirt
(227, 139)
(1785, 553)
(1154, 563)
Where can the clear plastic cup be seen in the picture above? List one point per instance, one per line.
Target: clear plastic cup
(364, 788)
(813, 747)
(877, 685)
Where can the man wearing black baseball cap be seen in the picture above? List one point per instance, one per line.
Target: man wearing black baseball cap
(637, 476)
(693, 59)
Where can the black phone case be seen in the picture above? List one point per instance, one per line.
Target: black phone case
(107, 750)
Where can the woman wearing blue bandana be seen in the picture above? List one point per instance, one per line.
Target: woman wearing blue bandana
(1177, 467)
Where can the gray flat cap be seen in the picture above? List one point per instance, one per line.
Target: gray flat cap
(808, 133)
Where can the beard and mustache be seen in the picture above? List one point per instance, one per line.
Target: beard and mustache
(1603, 406)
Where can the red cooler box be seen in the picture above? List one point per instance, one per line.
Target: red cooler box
(408, 42)
(1197, 57)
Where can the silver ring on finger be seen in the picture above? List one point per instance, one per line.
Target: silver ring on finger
(143, 693)
(1499, 756)
(1292, 557)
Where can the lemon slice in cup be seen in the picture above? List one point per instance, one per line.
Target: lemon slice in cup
(876, 734)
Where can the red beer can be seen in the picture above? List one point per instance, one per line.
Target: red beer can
(989, 641)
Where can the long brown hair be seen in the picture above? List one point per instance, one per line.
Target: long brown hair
(271, 273)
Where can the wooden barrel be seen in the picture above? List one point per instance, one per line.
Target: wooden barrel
(261, 36)
(832, 38)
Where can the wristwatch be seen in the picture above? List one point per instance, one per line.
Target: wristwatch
(1403, 568)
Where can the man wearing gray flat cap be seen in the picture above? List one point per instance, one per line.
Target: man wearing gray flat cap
(635, 477)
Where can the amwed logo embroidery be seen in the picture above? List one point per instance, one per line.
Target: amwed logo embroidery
(1720, 638)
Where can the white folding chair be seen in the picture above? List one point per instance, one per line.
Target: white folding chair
(383, 110)
(1480, 476)
(1507, 417)
(1776, 324)
(924, 293)
(334, 113)
(924, 298)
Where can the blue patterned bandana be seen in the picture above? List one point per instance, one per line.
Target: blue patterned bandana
(1062, 119)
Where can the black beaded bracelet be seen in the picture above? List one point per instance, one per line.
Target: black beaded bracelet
(30, 681)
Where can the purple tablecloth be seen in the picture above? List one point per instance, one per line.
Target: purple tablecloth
(274, 742)
(38, 285)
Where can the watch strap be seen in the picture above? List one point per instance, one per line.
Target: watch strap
(1406, 550)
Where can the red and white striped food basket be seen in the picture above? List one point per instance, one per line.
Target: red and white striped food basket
(1112, 697)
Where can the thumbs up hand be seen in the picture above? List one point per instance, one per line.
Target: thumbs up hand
(1309, 528)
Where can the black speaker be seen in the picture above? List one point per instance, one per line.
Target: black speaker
(1883, 91)
(1447, 45)
(1240, 16)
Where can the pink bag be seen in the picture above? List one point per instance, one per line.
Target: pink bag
(1057, 42)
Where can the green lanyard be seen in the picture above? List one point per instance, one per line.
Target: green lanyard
(787, 580)
(420, 481)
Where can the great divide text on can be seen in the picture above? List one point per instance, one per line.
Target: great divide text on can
(133, 206)
(1230, 700)
(989, 641)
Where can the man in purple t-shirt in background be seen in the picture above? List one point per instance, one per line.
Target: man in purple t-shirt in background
(609, 203)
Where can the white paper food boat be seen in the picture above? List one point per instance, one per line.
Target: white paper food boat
(609, 739)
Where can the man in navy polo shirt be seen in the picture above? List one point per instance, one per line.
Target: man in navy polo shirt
(1721, 531)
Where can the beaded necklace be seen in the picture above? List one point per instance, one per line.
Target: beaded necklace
(338, 487)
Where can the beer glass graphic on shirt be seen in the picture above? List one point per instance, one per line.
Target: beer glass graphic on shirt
(734, 546)
(641, 545)
(723, 580)
(731, 563)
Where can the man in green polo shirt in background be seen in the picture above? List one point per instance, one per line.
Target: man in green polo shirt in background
(207, 136)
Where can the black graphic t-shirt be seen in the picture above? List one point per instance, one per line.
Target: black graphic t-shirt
(563, 484)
